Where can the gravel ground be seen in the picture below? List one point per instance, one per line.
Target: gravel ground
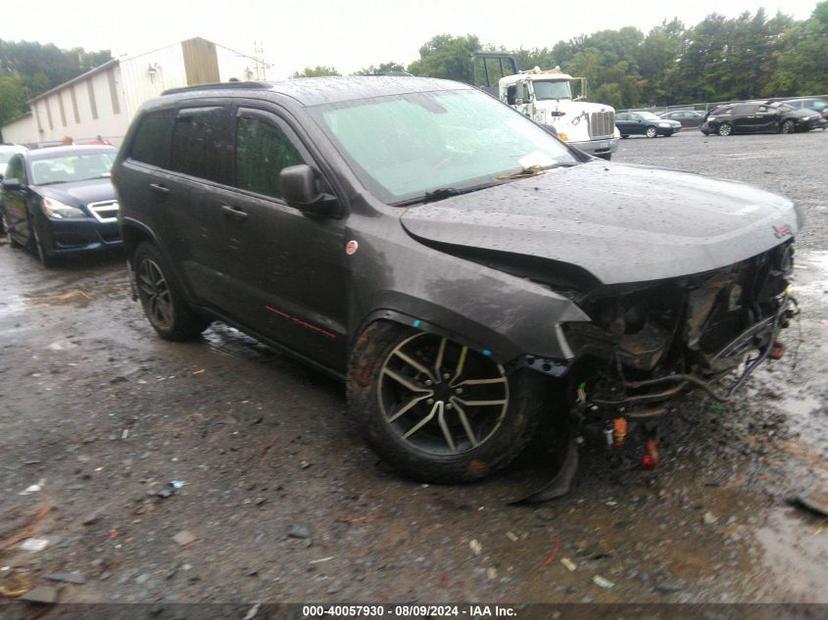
(281, 501)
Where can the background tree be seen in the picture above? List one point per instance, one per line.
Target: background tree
(12, 98)
(317, 71)
(800, 57)
(28, 69)
(383, 67)
(447, 56)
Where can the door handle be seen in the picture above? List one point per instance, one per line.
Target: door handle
(159, 189)
(234, 212)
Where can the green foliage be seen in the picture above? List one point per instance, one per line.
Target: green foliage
(383, 67)
(28, 69)
(447, 56)
(801, 57)
(12, 98)
(317, 71)
(719, 58)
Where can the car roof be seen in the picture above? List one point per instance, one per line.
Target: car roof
(322, 90)
(72, 149)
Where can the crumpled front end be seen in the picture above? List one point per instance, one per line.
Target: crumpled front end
(650, 342)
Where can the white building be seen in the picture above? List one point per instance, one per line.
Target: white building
(102, 102)
(19, 131)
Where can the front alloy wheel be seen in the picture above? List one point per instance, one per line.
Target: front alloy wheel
(652, 132)
(725, 129)
(438, 410)
(788, 127)
(442, 397)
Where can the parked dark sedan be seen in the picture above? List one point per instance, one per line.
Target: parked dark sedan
(686, 118)
(813, 103)
(760, 118)
(60, 201)
(645, 124)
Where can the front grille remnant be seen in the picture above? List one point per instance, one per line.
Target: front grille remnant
(106, 211)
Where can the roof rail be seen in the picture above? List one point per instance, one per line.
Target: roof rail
(218, 86)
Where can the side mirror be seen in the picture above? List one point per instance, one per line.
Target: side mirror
(298, 187)
(11, 184)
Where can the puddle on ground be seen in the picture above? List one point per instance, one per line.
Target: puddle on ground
(80, 297)
(230, 341)
(795, 548)
(811, 277)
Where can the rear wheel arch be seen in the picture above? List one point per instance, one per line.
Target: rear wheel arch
(133, 235)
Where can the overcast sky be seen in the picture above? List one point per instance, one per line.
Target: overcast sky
(348, 34)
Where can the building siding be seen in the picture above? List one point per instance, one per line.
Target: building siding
(103, 102)
(20, 131)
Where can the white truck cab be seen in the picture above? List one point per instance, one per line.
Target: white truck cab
(546, 97)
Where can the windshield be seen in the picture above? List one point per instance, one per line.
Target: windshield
(649, 116)
(72, 167)
(403, 146)
(551, 89)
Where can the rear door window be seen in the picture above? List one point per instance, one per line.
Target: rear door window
(152, 139)
(201, 143)
(263, 149)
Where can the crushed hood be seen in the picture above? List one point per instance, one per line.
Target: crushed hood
(621, 223)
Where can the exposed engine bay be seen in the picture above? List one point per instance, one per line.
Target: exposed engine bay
(693, 329)
(648, 343)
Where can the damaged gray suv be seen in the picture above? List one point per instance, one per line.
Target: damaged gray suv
(455, 263)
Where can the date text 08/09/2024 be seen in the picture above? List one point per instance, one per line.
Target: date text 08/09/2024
(408, 611)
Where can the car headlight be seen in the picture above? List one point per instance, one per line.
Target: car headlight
(59, 211)
(664, 124)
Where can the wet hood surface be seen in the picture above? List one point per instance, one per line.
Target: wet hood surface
(621, 223)
(79, 193)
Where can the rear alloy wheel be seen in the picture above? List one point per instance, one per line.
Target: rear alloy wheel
(651, 132)
(437, 410)
(163, 305)
(788, 127)
(725, 129)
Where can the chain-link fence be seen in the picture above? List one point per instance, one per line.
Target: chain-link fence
(711, 105)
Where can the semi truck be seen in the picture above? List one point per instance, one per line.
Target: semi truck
(546, 96)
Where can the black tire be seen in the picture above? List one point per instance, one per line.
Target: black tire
(161, 298)
(605, 156)
(624, 136)
(46, 259)
(515, 427)
(651, 132)
(788, 127)
(725, 129)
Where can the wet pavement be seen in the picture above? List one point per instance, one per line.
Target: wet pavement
(282, 502)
